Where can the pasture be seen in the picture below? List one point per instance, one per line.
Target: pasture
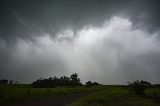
(96, 95)
(11, 94)
(119, 96)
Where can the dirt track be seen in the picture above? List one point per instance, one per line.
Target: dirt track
(62, 100)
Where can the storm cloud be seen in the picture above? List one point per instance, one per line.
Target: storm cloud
(108, 41)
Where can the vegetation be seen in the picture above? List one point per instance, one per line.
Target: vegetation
(73, 80)
(139, 86)
(117, 96)
(89, 84)
(137, 93)
(3, 81)
(15, 93)
(41, 88)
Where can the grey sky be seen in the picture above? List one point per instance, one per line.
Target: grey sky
(108, 41)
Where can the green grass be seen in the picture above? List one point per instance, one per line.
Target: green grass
(9, 94)
(149, 92)
(100, 95)
(117, 96)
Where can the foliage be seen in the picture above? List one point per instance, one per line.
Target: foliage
(73, 80)
(95, 84)
(89, 84)
(10, 82)
(139, 86)
(3, 81)
(43, 83)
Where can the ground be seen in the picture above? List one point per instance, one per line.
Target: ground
(62, 100)
(78, 96)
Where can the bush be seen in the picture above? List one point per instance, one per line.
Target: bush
(88, 84)
(43, 83)
(51, 82)
(95, 84)
(3, 81)
(139, 86)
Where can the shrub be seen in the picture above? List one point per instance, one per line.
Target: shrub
(3, 81)
(88, 84)
(95, 84)
(139, 86)
(51, 82)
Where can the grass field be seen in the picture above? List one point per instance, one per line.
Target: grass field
(118, 96)
(9, 94)
(100, 95)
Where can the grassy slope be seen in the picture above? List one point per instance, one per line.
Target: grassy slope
(14, 94)
(116, 96)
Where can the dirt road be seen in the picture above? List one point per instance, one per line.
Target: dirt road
(62, 100)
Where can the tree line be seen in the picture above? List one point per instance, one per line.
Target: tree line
(51, 82)
(10, 82)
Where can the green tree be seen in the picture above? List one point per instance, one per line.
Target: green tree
(75, 80)
(88, 84)
(139, 86)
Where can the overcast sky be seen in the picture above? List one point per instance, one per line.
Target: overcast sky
(108, 41)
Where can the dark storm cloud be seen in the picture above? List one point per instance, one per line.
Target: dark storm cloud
(145, 14)
(43, 37)
(27, 18)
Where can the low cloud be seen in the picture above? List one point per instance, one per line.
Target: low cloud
(112, 53)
